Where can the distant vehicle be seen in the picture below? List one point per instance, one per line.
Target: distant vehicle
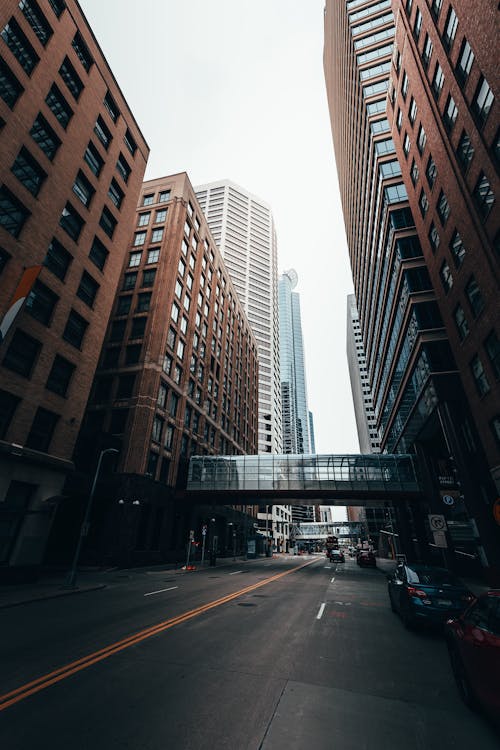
(426, 594)
(366, 559)
(336, 555)
(473, 640)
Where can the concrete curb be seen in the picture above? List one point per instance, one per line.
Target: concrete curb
(54, 595)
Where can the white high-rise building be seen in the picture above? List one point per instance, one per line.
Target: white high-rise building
(243, 228)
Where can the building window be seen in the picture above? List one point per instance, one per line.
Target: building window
(434, 238)
(36, 20)
(59, 106)
(427, 51)
(60, 375)
(10, 88)
(423, 203)
(437, 81)
(180, 349)
(125, 387)
(57, 6)
(177, 374)
(107, 222)
(124, 304)
(22, 353)
(123, 168)
(148, 277)
(13, 214)
(153, 255)
(134, 260)
(495, 426)
(19, 45)
(483, 196)
(98, 254)
(479, 376)
(414, 172)
(138, 327)
(157, 235)
(162, 395)
(450, 29)
(161, 216)
(450, 114)
(8, 406)
(169, 437)
(158, 423)
(412, 112)
(71, 78)
(174, 403)
(399, 120)
(143, 301)
(87, 289)
(436, 8)
(406, 144)
(474, 296)
(42, 430)
(465, 151)
(167, 364)
(148, 200)
(457, 249)
(44, 137)
(443, 207)
(139, 239)
(143, 219)
(164, 196)
(492, 346)
(421, 139)
(41, 302)
(482, 101)
(75, 329)
(417, 25)
(431, 172)
(111, 107)
(71, 221)
(130, 142)
(446, 276)
(57, 259)
(464, 62)
(83, 189)
(28, 171)
(404, 85)
(93, 158)
(118, 422)
(129, 281)
(115, 193)
(461, 322)
(116, 333)
(102, 132)
(82, 51)
(132, 354)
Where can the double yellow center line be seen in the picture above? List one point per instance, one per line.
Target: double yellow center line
(20, 693)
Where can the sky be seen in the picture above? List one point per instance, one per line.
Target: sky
(235, 89)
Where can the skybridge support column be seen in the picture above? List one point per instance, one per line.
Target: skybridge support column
(404, 530)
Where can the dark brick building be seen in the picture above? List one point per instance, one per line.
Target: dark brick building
(178, 374)
(72, 162)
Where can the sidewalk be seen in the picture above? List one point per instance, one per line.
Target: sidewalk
(52, 583)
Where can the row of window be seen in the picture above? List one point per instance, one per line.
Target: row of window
(44, 422)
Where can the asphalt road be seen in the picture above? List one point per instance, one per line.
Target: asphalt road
(266, 654)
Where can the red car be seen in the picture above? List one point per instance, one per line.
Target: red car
(366, 558)
(473, 641)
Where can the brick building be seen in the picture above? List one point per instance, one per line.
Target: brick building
(178, 375)
(72, 162)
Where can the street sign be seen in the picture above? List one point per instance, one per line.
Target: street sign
(440, 539)
(496, 510)
(204, 529)
(191, 535)
(437, 522)
(448, 500)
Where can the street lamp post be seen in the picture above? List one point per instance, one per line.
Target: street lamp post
(70, 581)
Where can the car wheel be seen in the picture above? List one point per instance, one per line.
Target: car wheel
(461, 679)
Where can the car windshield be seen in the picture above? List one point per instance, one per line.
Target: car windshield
(431, 577)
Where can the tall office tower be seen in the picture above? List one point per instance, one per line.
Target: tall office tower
(72, 161)
(243, 228)
(311, 433)
(366, 422)
(426, 382)
(295, 419)
(178, 373)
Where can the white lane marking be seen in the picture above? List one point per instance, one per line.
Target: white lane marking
(321, 610)
(236, 571)
(161, 591)
(328, 567)
(332, 580)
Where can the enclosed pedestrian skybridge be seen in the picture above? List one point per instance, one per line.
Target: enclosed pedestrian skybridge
(303, 479)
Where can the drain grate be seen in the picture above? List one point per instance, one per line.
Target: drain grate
(246, 604)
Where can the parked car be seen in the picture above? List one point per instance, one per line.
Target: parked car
(366, 559)
(473, 640)
(336, 555)
(426, 594)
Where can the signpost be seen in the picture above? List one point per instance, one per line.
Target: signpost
(437, 522)
(204, 535)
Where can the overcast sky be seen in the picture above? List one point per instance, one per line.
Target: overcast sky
(235, 89)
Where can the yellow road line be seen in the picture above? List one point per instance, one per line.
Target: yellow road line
(35, 686)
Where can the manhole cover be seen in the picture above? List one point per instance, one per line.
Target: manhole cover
(261, 596)
(214, 576)
(245, 604)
